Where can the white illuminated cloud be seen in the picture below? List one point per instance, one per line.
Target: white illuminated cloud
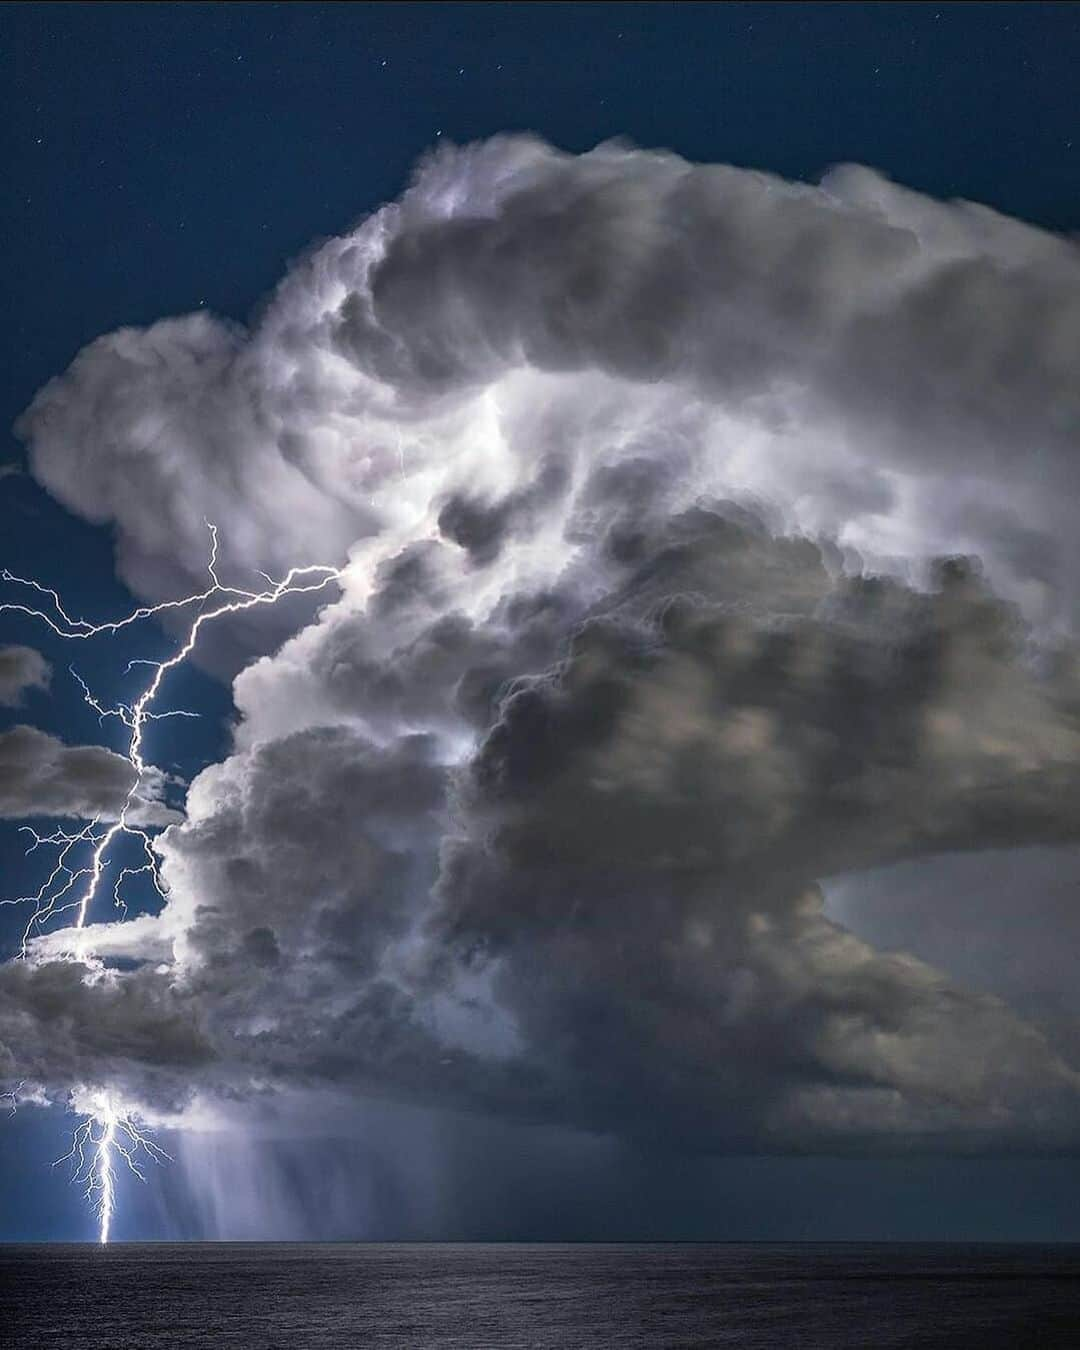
(637, 468)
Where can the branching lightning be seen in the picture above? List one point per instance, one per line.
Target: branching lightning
(81, 857)
(106, 1131)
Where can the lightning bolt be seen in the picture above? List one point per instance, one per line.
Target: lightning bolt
(107, 1130)
(81, 857)
(11, 1096)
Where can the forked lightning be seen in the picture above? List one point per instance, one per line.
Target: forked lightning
(81, 857)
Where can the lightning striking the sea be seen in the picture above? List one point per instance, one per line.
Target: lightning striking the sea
(105, 1131)
(82, 857)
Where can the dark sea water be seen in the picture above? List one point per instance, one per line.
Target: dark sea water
(795, 1296)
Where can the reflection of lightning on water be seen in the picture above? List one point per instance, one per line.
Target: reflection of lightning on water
(82, 856)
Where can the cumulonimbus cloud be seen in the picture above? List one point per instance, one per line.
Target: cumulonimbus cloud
(640, 468)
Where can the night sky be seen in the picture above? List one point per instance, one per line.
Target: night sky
(182, 160)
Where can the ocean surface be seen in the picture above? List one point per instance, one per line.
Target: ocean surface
(292, 1297)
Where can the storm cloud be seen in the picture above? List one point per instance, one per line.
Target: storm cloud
(41, 776)
(21, 669)
(694, 556)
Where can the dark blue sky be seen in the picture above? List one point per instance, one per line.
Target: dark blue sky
(163, 157)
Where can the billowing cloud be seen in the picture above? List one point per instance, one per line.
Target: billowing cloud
(608, 914)
(895, 370)
(645, 827)
(55, 1026)
(21, 670)
(641, 469)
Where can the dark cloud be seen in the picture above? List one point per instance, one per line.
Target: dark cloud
(21, 669)
(41, 776)
(613, 920)
(640, 467)
(646, 825)
(481, 528)
(132, 1032)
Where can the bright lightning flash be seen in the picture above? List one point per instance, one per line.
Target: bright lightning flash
(107, 1130)
(81, 857)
